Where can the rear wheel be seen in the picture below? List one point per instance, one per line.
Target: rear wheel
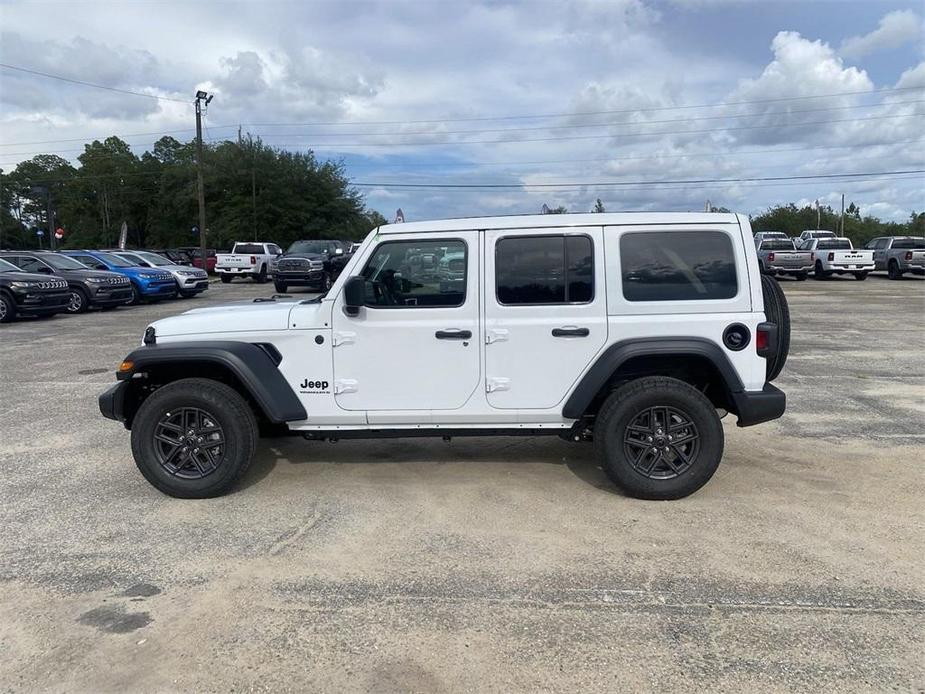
(226, 279)
(658, 438)
(194, 438)
(860, 276)
(280, 287)
(893, 270)
(7, 308)
(776, 311)
(819, 273)
(79, 302)
(261, 276)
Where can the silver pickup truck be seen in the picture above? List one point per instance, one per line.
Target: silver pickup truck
(777, 256)
(898, 254)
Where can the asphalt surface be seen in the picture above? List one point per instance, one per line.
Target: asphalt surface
(481, 564)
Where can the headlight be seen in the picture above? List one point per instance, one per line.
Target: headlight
(188, 273)
(315, 264)
(24, 285)
(98, 280)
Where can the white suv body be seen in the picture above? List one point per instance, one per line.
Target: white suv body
(528, 333)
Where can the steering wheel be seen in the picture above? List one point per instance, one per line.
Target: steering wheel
(382, 294)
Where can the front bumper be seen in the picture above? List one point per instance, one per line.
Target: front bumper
(41, 303)
(107, 295)
(194, 285)
(310, 278)
(755, 407)
(159, 288)
(112, 401)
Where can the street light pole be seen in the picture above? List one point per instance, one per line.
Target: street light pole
(200, 97)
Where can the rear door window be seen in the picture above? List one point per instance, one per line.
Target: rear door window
(544, 270)
(677, 266)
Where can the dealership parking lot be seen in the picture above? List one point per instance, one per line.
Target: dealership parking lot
(478, 564)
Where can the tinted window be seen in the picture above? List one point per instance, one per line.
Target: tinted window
(318, 247)
(28, 264)
(833, 245)
(544, 270)
(909, 243)
(677, 266)
(115, 260)
(248, 248)
(777, 245)
(408, 274)
(8, 267)
(91, 262)
(62, 262)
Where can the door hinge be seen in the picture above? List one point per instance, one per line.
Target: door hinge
(345, 385)
(344, 338)
(495, 335)
(496, 383)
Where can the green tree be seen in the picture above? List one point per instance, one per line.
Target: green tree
(599, 206)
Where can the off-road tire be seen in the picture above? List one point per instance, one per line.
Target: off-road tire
(226, 279)
(776, 311)
(79, 301)
(625, 404)
(233, 415)
(280, 287)
(893, 271)
(8, 310)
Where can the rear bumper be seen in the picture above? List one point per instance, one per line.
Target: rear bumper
(112, 401)
(849, 267)
(249, 270)
(789, 270)
(755, 407)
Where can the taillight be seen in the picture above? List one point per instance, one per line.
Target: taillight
(771, 257)
(908, 255)
(253, 260)
(762, 339)
(831, 256)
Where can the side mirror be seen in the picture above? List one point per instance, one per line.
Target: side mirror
(354, 295)
(44, 270)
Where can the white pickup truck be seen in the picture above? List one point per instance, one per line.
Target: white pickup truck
(247, 259)
(838, 256)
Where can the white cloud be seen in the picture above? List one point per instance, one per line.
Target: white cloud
(894, 30)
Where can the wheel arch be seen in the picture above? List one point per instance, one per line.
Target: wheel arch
(696, 361)
(250, 369)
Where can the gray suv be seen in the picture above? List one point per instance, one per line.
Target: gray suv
(87, 287)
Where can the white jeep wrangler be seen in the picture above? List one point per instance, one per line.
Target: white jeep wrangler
(634, 331)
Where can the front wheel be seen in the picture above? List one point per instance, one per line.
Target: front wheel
(136, 296)
(893, 271)
(280, 287)
(7, 308)
(658, 438)
(194, 438)
(326, 282)
(79, 302)
(861, 276)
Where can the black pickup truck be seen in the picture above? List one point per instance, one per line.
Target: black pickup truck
(31, 294)
(314, 264)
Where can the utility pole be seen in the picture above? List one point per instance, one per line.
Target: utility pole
(842, 231)
(254, 197)
(200, 97)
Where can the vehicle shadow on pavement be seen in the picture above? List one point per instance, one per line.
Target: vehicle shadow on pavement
(576, 458)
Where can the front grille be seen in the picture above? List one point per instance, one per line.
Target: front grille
(293, 265)
(117, 280)
(53, 284)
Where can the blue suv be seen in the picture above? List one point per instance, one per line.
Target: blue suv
(147, 283)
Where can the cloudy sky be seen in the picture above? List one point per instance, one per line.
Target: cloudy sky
(552, 99)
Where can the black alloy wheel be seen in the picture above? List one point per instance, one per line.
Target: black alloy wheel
(189, 443)
(661, 442)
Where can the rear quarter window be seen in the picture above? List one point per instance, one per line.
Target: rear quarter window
(677, 266)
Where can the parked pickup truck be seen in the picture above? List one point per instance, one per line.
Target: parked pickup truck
(778, 257)
(314, 264)
(838, 256)
(802, 241)
(247, 259)
(898, 254)
(765, 235)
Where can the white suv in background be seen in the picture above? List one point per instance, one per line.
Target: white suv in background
(634, 331)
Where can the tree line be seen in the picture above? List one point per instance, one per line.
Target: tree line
(252, 192)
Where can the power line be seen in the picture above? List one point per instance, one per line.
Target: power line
(91, 84)
(598, 184)
(596, 113)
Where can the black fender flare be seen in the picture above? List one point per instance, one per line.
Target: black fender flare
(251, 364)
(619, 353)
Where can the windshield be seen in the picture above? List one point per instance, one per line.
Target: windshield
(912, 242)
(821, 234)
(317, 247)
(834, 245)
(8, 267)
(153, 258)
(777, 245)
(62, 262)
(248, 248)
(114, 260)
(773, 234)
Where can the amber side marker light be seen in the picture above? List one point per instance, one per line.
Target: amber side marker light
(126, 366)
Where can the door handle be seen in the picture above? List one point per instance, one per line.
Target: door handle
(570, 332)
(453, 334)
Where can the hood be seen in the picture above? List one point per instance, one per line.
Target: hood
(230, 318)
(306, 256)
(87, 274)
(31, 277)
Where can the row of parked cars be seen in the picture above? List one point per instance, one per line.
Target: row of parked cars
(310, 263)
(43, 283)
(823, 254)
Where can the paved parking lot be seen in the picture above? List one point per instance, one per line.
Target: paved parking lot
(480, 564)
